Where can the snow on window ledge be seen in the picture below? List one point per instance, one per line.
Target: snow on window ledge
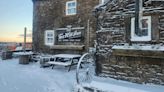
(139, 47)
(144, 38)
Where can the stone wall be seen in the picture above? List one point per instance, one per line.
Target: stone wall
(134, 69)
(50, 14)
(114, 19)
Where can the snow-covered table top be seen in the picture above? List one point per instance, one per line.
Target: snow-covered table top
(59, 63)
(68, 55)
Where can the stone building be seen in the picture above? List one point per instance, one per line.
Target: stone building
(124, 52)
(63, 26)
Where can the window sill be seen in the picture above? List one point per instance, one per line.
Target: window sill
(70, 14)
(141, 39)
(139, 51)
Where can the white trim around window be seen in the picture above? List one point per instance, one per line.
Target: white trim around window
(49, 37)
(71, 7)
(147, 35)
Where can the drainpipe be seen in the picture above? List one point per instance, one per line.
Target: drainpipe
(138, 17)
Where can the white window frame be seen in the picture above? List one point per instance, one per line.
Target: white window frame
(134, 37)
(75, 7)
(46, 37)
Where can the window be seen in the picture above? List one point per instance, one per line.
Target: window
(49, 37)
(71, 7)
(145, 34)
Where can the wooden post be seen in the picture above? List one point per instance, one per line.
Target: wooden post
(24, 48)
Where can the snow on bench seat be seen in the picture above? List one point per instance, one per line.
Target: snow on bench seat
(67, 55)
(60, 63)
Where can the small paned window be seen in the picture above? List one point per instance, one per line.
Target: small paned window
(49, 37)
(71, 7)
(145, 33)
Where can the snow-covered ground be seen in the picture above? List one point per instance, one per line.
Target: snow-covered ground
(15, 77)
(112, 85)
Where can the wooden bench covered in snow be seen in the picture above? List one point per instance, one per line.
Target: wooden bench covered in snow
(65, 60)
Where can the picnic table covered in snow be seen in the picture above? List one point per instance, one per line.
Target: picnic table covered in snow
(65, 60)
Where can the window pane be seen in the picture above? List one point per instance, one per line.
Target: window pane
(69, 11)
(49, 34)
(72, 11)
(49, 40)
(144, 30)
(145, 23)
(72, 4)
(69, 5)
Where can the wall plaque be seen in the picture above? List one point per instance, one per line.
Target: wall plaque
(70, 36)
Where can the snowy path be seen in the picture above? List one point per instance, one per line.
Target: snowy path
(31, 78)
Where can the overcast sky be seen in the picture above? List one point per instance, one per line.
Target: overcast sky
(14, 16)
